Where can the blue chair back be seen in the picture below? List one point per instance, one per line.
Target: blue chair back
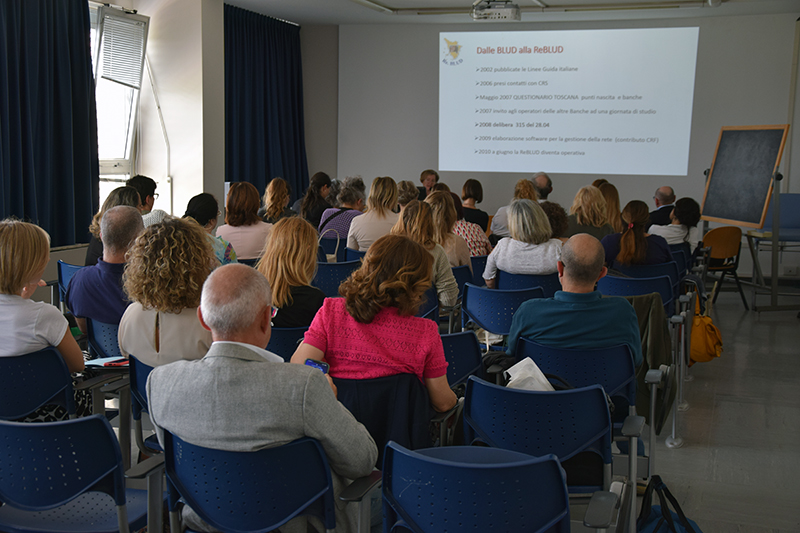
(478, 266)
(329, 246)
(463, 354)
(330, 275)
(612, 367)
(681, 254)
(250, 491)
(65, 273)
(463, 276)
(670, 269)
(614, 286)
(103, 339)
(353, 255)
(138, 376)
(548, 282)
(493, 309)
(284, 341)
(456, 488)
(30, 381)
(430, 307)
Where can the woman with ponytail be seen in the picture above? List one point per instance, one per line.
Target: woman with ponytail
(633, 246)
(315, 201)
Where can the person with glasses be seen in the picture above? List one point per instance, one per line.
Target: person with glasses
(147, 191)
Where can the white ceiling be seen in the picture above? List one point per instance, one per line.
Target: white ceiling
(413, 11)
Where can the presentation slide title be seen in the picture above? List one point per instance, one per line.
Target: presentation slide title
(522, 50)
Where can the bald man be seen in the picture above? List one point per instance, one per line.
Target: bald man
(543, 185)
(664, 199)
(578, 316)
(240, 397)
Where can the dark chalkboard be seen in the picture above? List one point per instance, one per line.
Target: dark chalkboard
(739, 185)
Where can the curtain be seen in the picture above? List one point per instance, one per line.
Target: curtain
(264, 135)
(49, 171)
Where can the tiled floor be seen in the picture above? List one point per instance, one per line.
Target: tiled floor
(739, 467)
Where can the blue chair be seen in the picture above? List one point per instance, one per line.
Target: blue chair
(457, 488)
(353, 255)
(478, 266)
(463, 354)
(493, 309)
(83, 455)
(682, 253)
(430, 307)
(65, 273)
(614, 286)
(670, 269)
(463, 276)
(548, 282)
(284, 341)
(32, 380)
(330, 275)
(103, 339)
(333, 246)
(249, 491)
(138, 382)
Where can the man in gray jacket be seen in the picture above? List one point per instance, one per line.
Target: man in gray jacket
(240, 397)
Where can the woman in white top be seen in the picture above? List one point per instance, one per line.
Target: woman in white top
(167, 266)
(379, 217)
(683, 226)
(243, 228)
(530, 250)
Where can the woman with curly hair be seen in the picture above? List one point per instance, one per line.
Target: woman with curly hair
(289, 263)
(634, 246)
(588, 214)
(119, 196)
(164, 275)
(243, 228)
(379, 218)
(372, 332)
(276, 202)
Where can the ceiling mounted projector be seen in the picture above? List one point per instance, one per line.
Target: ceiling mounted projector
(497, 11)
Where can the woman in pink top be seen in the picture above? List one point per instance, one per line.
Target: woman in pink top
(372, 332)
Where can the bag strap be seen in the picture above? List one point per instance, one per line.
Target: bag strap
(328, 220)
(675, 507)
(666, 514)
(647, 502)
(560, 383)
(335, 250)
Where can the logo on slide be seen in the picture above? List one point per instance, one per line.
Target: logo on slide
(451, 51)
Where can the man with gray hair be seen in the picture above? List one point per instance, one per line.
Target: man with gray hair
(578, 316)
(240, 397)
(543, 185)
(96, 291)
(664, 199)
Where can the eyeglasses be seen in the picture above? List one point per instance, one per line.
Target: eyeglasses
(155, 196)
(274, 311)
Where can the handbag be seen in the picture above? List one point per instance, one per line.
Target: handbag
(331, 258)
(660, 518)
(706, 341)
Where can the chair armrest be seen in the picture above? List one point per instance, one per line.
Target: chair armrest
(97, 381)
(362, 486)
(601, 510)
(145, 468)
(633, 426)
(116, 386)
(654, 376)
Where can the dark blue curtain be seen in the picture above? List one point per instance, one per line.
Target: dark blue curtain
(264, 135)
(49, 170)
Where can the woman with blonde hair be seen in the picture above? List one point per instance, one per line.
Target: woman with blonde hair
(289, 263)
(613, 215)
(379, 217)
(588, 214)
(524, 189)
(276, 202)
(27, 326)
(372, 332)
(164, 275)
(119, 196)
(444, 214)
(634, 246)
(416, 223)
(243, 228)
(530, 250)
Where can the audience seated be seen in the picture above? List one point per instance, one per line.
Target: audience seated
(204, 210)
(428, 178)
(166, 268)
(96, 291)
(683, 226)
(664, 198)
(614, 217)
(315, 202)
(240, 397)
(557, 218)
(471, 194)
(119, 196)
(444, 215)
(372, 332)
(243, 228)
(289, 263)
(146, 187)
(335, 222)
(416, 223)
(379, 217)
(276, 202)
(406, 191)
(633, 246)
(578, 316)
(27, 326)
(588, 214)
(477, 241)
(523, 189)
(543, 185)
(530, 250)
